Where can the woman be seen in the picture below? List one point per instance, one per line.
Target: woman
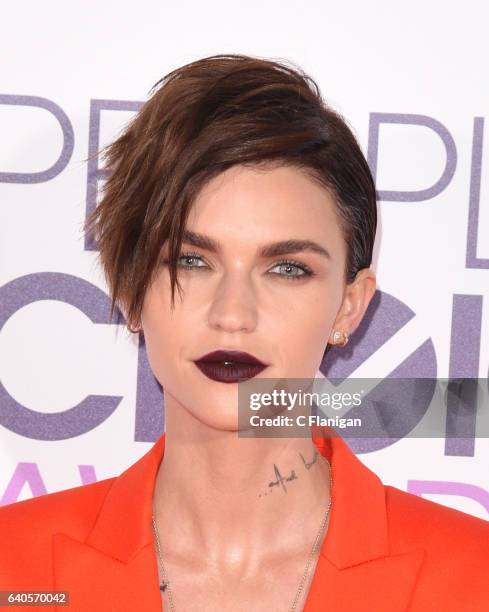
(237, 185)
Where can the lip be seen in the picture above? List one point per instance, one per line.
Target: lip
(229, 366)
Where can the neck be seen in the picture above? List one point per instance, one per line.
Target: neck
(239, 501)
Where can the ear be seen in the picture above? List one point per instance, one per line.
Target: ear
(133, 330)
(355, 302)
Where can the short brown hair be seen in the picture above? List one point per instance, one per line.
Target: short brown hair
(199, 120)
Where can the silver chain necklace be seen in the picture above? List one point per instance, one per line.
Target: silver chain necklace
(165, 584)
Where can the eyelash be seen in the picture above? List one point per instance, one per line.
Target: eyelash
(307, 272)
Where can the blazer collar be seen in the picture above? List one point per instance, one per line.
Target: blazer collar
(123, 526)
(357, 533)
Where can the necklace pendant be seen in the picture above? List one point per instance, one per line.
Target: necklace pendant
(163, 586)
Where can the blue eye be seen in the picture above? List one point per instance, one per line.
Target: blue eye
(293, 270)
(190, 257)
(290, 270)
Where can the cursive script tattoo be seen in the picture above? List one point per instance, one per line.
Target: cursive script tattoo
(309, 464)
(281, 480)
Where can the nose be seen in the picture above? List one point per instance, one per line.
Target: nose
(233, 305)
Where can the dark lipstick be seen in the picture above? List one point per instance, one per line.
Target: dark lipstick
(229, 366)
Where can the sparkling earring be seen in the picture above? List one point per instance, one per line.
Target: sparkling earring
(340, 338)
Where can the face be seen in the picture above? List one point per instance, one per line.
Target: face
(280, 308)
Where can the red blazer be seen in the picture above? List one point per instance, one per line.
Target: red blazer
(385, 550)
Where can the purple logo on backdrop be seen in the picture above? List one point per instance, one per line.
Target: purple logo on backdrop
(461, 489)
(68, 140)
(28, 474)
(377, 119)
(386, 314)
(94, 409)
(96, 174)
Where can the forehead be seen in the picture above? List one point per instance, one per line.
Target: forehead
(259, 204)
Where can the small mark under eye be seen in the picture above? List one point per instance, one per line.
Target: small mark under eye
(293, 270)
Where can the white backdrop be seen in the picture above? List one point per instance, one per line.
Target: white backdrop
(418, 70)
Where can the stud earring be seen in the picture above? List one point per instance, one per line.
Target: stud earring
(340, 338)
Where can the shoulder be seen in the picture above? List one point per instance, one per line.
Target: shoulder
(27, 527)
(416, 520)
(455, 545)
(71, 509)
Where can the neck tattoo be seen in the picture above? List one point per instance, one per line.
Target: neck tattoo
(281, 481)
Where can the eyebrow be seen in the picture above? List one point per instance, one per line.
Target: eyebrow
(274, 249)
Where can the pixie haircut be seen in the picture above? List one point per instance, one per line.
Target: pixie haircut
(198, 121)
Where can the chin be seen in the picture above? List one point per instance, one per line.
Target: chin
(218, 419)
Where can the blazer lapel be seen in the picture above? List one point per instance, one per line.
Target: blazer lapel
(356, 571)
(96, 581)
(385, 584)
(115, 568)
